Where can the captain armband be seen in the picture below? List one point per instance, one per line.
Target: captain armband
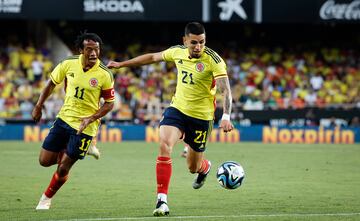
(108, 94)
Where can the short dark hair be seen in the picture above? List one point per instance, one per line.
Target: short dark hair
(194, 28)
(79, 42)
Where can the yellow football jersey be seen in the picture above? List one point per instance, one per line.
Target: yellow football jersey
(195, 89)
(83, 91)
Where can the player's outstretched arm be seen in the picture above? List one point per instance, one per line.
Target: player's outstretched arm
(223, 86)
(106, 108)
(36, 113)
(137, 61)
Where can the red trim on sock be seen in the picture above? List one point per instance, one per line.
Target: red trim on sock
(204, 166)
(163, 174)
(55, 184)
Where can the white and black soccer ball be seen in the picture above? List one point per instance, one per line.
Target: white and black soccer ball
(230, 175)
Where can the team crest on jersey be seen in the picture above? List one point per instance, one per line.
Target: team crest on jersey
(199, 67)
(93, 82)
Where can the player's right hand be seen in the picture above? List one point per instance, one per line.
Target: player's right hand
(36, 113)
(113, 64)
(226, 125)
(85, 121)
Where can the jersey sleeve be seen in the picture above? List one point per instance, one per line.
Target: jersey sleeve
(58, 74)
(168, 54)
(107, 90)
(219, 69)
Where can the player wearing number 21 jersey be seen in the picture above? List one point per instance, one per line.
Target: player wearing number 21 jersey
(201, 72)
(195, 89)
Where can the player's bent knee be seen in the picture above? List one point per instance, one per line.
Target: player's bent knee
(165, 148)
(45, 162)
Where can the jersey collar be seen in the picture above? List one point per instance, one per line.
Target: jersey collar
(192, 59)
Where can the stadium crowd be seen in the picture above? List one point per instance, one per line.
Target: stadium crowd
(261, 78)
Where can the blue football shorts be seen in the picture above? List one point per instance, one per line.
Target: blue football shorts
(61, 136)
(196, 131)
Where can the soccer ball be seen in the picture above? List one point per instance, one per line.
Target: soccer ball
(230, 175)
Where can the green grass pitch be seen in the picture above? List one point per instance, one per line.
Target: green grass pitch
(283, 182)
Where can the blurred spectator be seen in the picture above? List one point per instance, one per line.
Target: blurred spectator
(53, 104)
(37, 68)
(310, 98)
(25, 91)
(12, 105)
(3, 111)
(316, 81)
(26, 107)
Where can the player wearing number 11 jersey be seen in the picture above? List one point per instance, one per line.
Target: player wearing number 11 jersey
(201, 71)
(86, 80)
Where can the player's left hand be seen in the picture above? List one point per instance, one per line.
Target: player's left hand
(226, 125)
(84, 123)
(113, 64)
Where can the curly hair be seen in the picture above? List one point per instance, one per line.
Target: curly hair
(79, 42)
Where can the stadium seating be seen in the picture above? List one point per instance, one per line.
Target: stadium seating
(261, 78)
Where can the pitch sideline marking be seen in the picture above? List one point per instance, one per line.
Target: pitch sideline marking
(220, 216)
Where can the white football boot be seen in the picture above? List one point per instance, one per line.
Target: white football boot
(44, 203)
(93, 151)
(162, 209)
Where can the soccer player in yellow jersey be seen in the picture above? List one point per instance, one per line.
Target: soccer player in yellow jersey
(86, 81)
(201, 71)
